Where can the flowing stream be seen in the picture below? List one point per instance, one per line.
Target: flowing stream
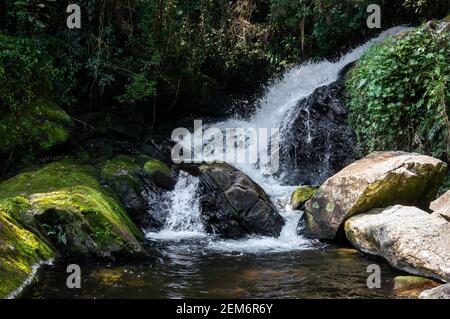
(188, 262)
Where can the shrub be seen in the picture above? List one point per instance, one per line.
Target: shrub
(400, 93)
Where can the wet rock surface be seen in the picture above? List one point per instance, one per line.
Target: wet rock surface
(233, 205)
(139, 182)
(318, 142)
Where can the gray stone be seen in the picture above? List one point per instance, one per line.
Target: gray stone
(381, 179)
(441, 206)
(410, 239)
(441, 292)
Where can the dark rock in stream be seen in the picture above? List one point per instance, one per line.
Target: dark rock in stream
(317, 141)
(233, 205)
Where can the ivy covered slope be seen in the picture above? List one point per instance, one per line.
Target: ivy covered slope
(399, 93)
(60, 208)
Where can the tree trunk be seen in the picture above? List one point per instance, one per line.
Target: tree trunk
(302, 34)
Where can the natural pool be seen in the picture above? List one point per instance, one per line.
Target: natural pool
(188, 269)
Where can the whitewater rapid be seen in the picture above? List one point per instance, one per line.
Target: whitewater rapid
(274, 110)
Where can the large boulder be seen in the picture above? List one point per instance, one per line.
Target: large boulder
(64, 204)
(379, 180)
(441, 206)
(410, 239)
(317, 141)
(233, 205)
(441, 292)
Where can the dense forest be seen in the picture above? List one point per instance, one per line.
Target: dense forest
(359, 143)
(161, 56)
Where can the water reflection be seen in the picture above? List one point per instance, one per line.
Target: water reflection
(187, 269)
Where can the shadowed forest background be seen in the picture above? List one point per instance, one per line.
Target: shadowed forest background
(163, 57)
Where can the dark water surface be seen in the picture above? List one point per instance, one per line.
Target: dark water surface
(186, 269)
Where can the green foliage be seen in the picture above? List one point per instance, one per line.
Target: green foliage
(426, 6)
(27, 72)
(30, 84)
(55, 232)
(138, 51)
(311, 27)
(400, 94)
(140, 89)
(32, 15)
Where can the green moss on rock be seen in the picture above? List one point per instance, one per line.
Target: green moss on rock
(410, 280)
(120, 165)
(160, 173)
(153, 166)
(20, 250)
(36, 128)
(122, 170)
(42, 124)
(131, 178)
(301, 196)
(64, 202)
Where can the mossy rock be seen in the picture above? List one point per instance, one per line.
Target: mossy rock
(39, 127)
(64, 203)
(120, 165)
(125, 177)
(136, 169)
(301, 196)
(160, 173)
(20, 250)
(122, 168)
(136, 179)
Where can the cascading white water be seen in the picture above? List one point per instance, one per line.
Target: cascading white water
(275, 110)
(277, 105)
(184, 218)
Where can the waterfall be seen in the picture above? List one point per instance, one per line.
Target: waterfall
(275, 110)
(183, 211)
